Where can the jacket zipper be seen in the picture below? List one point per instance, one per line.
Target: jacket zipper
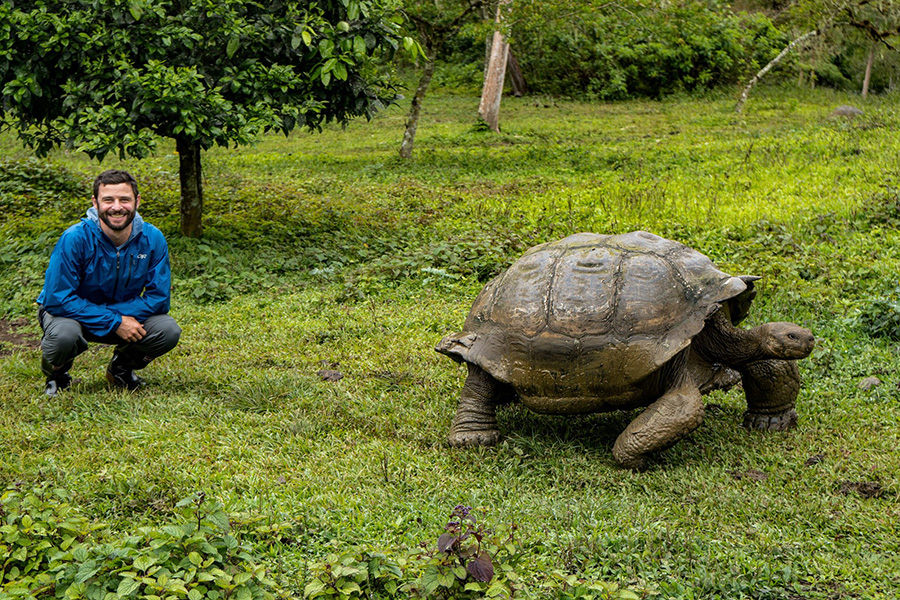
(118, 265)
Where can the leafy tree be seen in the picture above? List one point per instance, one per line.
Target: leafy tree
(878, 20)
(629, 48)
(104, 76)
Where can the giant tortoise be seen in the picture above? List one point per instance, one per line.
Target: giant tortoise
(595, 323)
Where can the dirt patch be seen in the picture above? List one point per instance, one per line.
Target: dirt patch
(814, 459)
(13, 337)
(751, 474)
(330, 375)
(866, 489)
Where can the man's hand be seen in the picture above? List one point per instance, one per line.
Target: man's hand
(130, 330)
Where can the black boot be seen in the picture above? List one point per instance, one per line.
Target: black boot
(57, 383)
(58, 378)
(120, 374)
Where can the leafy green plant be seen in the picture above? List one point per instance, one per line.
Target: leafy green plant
(880, 316)
(469, 560)
(355, 574)
(38, 528)
(28, 183)
(565, 586)
(50, 550)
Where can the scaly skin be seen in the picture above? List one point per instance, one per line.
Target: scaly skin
(771, 387)
(677, 413)
(766, 356)
(475, 423)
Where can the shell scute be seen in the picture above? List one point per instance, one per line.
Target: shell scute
(574, 306)
(520, 294)
(651, 298)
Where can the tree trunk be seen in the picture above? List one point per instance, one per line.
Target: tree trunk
(412, 121)
(489, 108)
(516, 78)
(191, 187)
(868, 77)
(746, 93)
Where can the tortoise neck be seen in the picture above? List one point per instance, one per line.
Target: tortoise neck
(722, 342)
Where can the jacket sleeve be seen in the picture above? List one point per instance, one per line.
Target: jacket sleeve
(156, 296)
(61, 283)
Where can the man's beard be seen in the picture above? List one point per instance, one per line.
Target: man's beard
(104, 216)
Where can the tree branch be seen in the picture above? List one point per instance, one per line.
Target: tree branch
(746, 93)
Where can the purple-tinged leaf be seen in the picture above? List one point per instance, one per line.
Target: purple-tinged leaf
(446, 542)
(482, 568)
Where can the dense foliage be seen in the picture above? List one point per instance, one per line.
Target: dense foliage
(626, 50)
(643, 49)
(49, 549)
(104, 76)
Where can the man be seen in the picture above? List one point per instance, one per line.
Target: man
(108, 281)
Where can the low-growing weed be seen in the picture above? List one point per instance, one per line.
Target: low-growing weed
(50, 550)
(880, 315)
(28, 184)
(469, 561)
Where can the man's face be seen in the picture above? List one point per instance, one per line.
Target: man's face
(116, 205)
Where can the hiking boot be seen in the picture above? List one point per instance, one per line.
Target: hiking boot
(120, 376)
(56, 383)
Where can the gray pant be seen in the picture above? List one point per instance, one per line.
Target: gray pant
(64, 339)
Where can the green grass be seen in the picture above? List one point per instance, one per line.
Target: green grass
(328, 251)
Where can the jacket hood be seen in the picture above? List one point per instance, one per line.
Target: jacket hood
(137, 225)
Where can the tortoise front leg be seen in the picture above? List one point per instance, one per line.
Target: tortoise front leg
(677, 413)
(771, 387)
(475, 423)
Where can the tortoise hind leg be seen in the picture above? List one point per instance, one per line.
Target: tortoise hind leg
(771, 387)
(677, 413)
(475, 423)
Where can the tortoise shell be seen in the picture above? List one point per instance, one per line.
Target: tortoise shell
(590, 315)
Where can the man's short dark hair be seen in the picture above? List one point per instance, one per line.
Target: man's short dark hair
(112, 177)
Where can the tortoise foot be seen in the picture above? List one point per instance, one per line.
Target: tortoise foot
(781, 421)
(677, 412)
(633, 463)
(481, 437)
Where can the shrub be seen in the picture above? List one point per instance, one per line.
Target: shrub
(37, 181)
(623, 51)
(880, 315)
(470, 560)
(49, 550)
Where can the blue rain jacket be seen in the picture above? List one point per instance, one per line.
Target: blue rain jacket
(95, 283)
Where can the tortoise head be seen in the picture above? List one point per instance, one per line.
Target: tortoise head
(788, 341)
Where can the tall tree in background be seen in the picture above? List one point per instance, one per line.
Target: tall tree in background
(879, 22)
(436, 22)
(494, 72)
(103, 76)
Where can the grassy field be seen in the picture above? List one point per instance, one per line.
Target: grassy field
(327, 251)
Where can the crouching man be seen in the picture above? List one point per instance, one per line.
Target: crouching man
(108, 282)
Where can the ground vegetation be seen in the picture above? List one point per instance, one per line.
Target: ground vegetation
(308, 406)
